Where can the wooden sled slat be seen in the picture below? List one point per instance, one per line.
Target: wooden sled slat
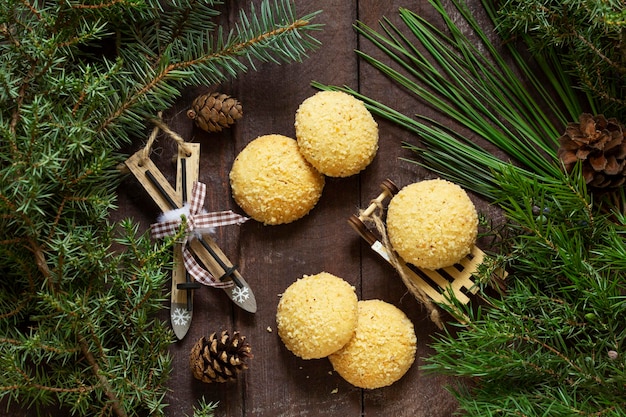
(444, 286)
(206, 250)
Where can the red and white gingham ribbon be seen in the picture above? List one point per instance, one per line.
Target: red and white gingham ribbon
(197, 219)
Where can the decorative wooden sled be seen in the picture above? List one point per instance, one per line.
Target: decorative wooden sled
(205, 249)
(443, 285)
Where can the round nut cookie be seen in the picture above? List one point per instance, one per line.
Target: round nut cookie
(273, 183)
(432, 224)
(336, 133)
(382, 349)
(317, 315)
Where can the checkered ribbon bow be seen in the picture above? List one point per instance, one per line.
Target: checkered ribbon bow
(196, 222)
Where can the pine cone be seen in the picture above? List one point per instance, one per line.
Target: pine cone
(214, 111)
(220, 357)
(599, 144)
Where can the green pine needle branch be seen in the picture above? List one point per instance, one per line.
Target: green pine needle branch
(478, 91)
(553, 342)
(589, 36)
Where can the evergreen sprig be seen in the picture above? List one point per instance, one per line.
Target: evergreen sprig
(78, 79)
(77, 340)
(589, 35)
(204, 408)
(478, 90)
(552, 343)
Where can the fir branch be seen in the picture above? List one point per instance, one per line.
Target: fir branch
(204, 409)
(211, 60)
(17, 309)
(103, 5)
(34, 386)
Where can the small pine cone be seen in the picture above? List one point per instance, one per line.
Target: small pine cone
(599, 143)
(214, 111)
(220, 357)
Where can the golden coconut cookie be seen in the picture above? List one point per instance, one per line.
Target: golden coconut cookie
(432, 224)
(336, 133)
(272, 182)
(317, 315)
(382, 349)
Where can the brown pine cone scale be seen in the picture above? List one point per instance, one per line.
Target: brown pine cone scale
(599, 144)
(219, 357)
(213, 112)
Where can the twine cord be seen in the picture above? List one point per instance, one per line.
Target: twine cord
(159, 125)
(145, 154)
(375, 219)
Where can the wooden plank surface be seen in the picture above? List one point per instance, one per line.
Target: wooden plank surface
(272, 257)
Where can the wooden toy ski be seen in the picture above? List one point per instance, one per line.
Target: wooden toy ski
(214, 268)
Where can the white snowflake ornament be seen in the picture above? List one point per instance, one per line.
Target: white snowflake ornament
(180, 317)
(240, 295)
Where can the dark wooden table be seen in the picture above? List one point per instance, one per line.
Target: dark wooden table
(272, 257)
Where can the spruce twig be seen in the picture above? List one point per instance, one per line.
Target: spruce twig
(204, 409)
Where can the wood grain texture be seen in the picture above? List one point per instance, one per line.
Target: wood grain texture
(270, 258)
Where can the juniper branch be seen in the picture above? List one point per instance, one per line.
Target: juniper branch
(95, 368)
(66, 107)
